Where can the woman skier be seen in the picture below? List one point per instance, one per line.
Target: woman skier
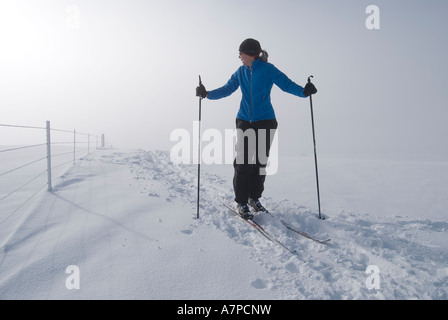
(255, 118)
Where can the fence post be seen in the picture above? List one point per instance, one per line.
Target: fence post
(74, 145)
(49, 157)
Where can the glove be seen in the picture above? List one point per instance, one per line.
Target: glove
(309, 89)
(201, 92)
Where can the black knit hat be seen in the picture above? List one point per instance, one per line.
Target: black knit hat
(250, 47)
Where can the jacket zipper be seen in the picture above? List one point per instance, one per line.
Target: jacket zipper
(251, 98)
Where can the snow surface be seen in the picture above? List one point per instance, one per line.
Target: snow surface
(127, 220)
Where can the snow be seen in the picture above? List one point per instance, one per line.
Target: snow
(125, 220)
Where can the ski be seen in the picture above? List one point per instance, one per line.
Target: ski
(260, 229)
(302, 233)
(287, 225)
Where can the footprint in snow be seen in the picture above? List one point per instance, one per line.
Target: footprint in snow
(292, 267)
(259, 284)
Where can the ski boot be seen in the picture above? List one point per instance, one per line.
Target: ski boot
(244, 212)
(255, 203)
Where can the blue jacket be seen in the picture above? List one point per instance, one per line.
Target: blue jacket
(256, 84)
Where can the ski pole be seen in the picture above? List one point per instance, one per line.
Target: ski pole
(199, 150)
(315, 154)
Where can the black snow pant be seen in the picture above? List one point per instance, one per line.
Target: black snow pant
(254, 141)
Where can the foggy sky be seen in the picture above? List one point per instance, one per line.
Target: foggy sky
(129, 69)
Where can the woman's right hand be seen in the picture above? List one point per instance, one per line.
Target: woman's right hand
(201, 92)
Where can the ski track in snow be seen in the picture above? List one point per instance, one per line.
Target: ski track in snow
(410, 267)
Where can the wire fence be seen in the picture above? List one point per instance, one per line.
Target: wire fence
(27, 169)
